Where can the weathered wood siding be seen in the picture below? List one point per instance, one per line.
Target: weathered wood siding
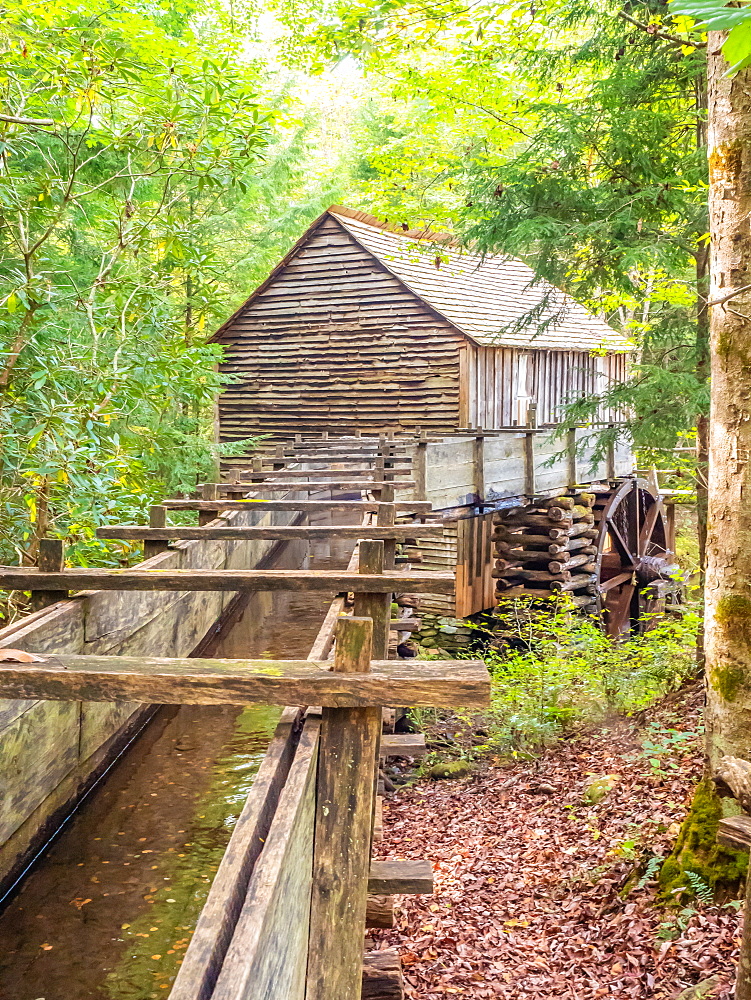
(49, 750)
(495, 381)
(335, 343)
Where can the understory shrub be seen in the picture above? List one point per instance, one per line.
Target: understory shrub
(554, 669)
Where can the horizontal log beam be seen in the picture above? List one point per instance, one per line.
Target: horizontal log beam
(402, 877)
(306, 506)
(194, 681)
(172, 533)
(23, 578)
(394, 460)
(405, 624)
(269, 486)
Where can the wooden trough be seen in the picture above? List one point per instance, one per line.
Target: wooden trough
(286, 914)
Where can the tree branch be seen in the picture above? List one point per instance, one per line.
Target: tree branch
(15, 120)
(651, 29)
(730, 295)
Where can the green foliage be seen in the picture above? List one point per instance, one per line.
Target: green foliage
(161, 189)
(563, 671)
(715, 15)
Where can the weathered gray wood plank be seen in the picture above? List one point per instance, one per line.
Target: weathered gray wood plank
(195, 681)
(267, 957)
(344, 810)
(403, 506)
(216, 924)
(22, 578)
(406, 877)
(399, 531)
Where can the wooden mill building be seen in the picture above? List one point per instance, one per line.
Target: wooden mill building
(363, 326)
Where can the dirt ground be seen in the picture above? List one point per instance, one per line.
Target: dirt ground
(535, 892)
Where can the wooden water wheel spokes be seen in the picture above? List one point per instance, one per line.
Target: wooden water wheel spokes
(632, 554)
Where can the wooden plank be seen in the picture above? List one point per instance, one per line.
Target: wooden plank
(216, 924)
(400, 877)
(306, 506)
(344, 810)
(268, 954)
(403, 745)
(21, 578)
(735, 831)
(272, 486)
(240, 532)
(36, 753)
(196, 681)
(380, 911)
(382, 975)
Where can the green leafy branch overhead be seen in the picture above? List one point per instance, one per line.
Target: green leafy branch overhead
(715, 15)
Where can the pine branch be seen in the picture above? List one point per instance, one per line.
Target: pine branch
(651, 29)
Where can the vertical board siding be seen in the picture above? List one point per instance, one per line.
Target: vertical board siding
(335, 342)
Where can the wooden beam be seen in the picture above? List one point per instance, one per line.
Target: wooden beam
(267, 486)
(382, 975)
(400, 877)
(403, 745)
(23, 578)
(405, 624)
(344, 808)
(306, 506)
(380, 911)
(173, 533)
(342, 459)
(194, 681)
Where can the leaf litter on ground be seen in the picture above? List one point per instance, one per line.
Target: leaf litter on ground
(540, 893)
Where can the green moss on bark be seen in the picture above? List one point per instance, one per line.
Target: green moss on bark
(697, 851)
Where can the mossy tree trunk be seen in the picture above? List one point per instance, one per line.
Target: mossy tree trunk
(728, 586)
(728, 577)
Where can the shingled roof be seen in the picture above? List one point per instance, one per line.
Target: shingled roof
(486, 298)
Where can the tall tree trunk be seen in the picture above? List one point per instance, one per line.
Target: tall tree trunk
(728, 585)
(728, 575)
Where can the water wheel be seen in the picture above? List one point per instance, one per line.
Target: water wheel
(634, 561)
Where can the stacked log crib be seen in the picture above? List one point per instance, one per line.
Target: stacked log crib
(548, 546)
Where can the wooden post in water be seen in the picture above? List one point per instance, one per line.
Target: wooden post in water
(51, 559)
(341, 862)
(157, 519)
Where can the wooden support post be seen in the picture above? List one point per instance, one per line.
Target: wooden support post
(344, 809)
(529, 452)
(571, 472)
(610, 467)
(478, 459)
(280, 460)
(157, 519)
(51, 559)
(210, 491)
(387, 519)
(375, 606)
(420, 468)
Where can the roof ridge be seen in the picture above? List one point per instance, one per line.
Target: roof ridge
(445, 239)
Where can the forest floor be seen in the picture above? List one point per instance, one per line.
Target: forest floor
(535, 893)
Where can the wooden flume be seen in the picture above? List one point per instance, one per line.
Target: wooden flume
(266, 921)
